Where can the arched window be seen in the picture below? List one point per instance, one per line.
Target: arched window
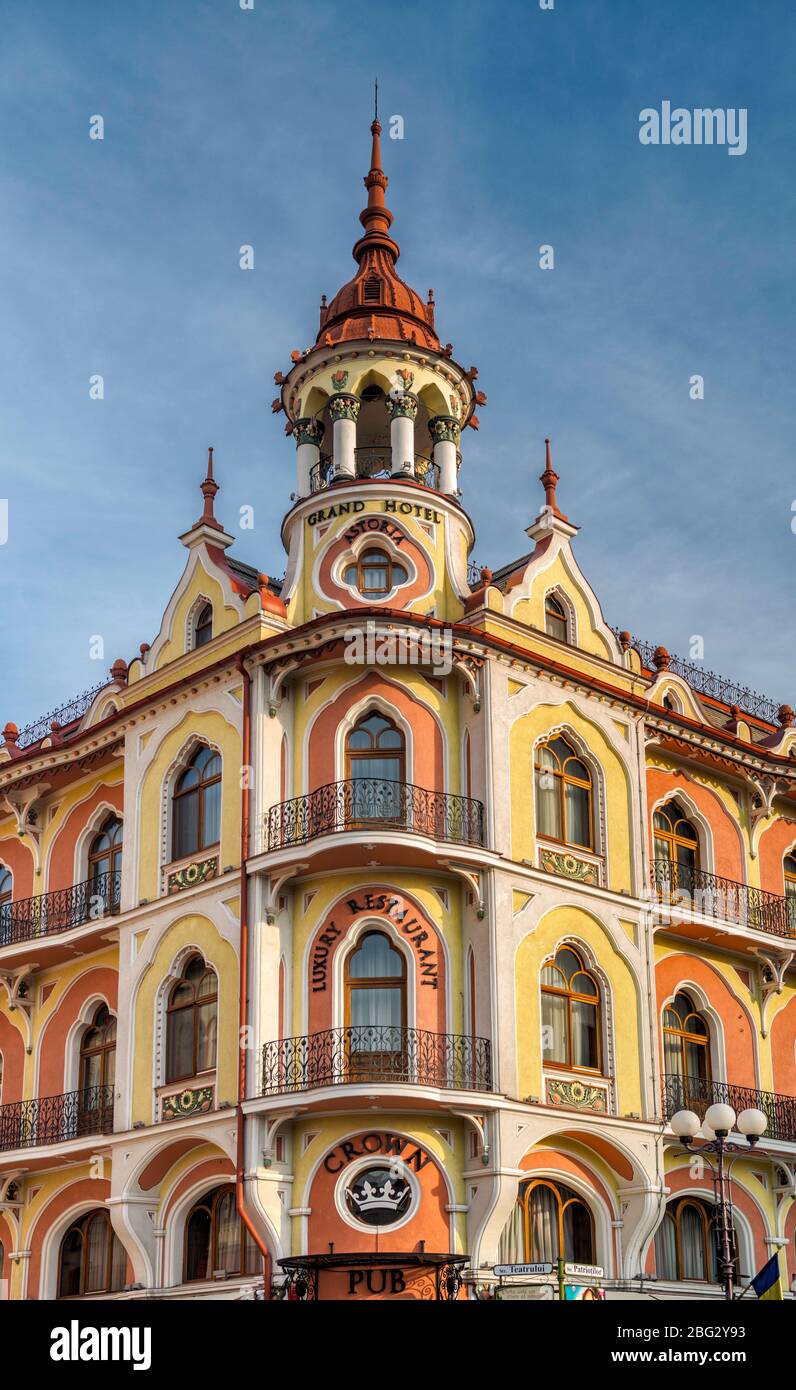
(203, 629)
(375, 1006)
(92, 1258)
(685, 1246)
(98, 1051)
(676, 846)
(563, 795)
(374, 573)
(196, 804)
(375, 755)
(216, 1239)
(191, 1022)
(571, 1033)
(105, 864)
(555, 618)
(790, 889)
(558, 1224)
(686, 1053)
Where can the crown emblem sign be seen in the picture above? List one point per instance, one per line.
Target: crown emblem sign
(385, 1196)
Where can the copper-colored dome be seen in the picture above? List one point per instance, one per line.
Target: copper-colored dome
(377, 303)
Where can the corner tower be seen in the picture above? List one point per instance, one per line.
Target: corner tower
(377, 408)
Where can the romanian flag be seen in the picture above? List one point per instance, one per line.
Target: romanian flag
(767, 1284)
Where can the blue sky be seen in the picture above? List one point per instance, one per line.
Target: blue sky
(225, 127)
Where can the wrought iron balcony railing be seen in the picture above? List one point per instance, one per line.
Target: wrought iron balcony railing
(697, 1094)
(372, 803)
(372, 462)
(53, 1119)
(370, 1053)
(51, 913)
(64, 714)
(677, 886)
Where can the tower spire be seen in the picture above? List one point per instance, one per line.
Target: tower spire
(376, 218)
(208, 489)
(549, 480)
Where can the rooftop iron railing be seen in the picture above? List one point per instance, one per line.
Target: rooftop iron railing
(25, 1124)
(376, 1053)
(64, 714)
(372, 803)
(48, 914)
(709, 683)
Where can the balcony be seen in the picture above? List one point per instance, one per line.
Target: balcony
(692, 1093)
(50, 914)
(374, 804)
(26, 1124)
(372, 462)
(371, 1054)
(679, 887)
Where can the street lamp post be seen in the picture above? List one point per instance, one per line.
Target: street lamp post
(713, 1132)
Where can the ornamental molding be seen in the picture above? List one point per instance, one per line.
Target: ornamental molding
(773, 966)
(20, 997)
(23, 805)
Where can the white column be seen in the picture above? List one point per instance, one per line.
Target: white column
(308, 434)
(344, 411)
(445, 433)
(403, 410)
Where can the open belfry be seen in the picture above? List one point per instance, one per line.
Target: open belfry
(361, 935)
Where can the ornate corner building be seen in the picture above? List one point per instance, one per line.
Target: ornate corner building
(364, 932)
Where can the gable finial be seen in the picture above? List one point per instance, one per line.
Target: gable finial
(549, 480)
(209, 488)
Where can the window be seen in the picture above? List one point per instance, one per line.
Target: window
(558, 1224)
(790, 889)
(191, 1022)
(92, 1258)
(685, 1246)
(375, 757)
(196, 804)
(570, 1013)
(374, 574)
(98, 1051)
(375, 1005)
(203, 630)
(555, 618)
(676, 846)
(563, 795)
(105, 864)
(216, 1239)
(686, 1053)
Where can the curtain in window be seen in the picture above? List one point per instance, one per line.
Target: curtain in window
(666, 1248)
(118, 1265)
(548, 800)
(380, 1008)
(692, 1243)
(554, 1027)
(542, 1226)
(511, 1249)
(71, 1255)
(227, 1234)
(96, 1255)
(179, 1050)
(212, 815)
(577, 812)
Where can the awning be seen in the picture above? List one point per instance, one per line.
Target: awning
(304, 1271)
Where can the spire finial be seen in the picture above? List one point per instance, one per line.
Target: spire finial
(376, 218)
(549, 479)
(208, 489)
